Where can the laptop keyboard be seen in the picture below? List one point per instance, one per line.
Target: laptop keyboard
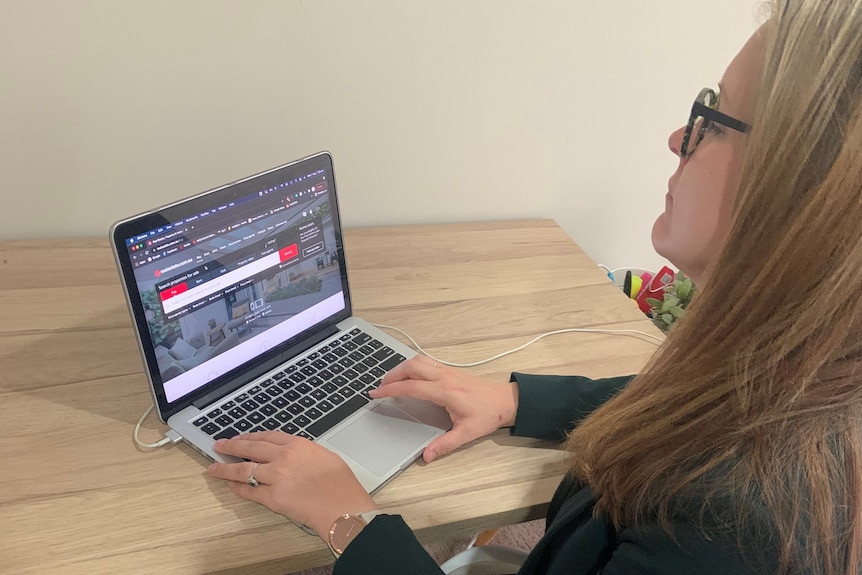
(311, 396)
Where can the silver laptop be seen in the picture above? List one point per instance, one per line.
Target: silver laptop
(241, 304)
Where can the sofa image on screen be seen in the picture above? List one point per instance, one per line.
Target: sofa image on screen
(184, 355)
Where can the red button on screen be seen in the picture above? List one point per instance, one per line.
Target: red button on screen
(171, 292)
(289, 252)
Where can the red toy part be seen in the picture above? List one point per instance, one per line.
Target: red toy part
(654, 288)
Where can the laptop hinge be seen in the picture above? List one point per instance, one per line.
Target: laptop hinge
(288, 354)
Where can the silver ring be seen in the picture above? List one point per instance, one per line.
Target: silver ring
(251, 481)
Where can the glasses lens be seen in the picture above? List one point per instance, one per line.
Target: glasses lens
(695, 134)
(696, 126)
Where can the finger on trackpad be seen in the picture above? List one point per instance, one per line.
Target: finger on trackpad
(382, 438)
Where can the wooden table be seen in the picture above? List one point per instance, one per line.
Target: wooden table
(78, 496)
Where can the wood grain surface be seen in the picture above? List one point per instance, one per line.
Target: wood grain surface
(80, 497)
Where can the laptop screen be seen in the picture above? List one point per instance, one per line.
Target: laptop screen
(225, 278)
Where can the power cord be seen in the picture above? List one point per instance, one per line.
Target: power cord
(170, 435)
(520, 347)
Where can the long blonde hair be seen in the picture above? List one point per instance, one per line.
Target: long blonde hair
(755, 399)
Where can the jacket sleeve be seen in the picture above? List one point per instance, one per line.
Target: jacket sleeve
(650, 551)
(549, 406)
(386, 546)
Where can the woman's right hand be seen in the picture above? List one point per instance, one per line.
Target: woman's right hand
(476, 406)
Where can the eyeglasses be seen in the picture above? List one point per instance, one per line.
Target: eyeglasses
(703, 115)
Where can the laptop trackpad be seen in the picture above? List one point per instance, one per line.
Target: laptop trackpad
(382, 438)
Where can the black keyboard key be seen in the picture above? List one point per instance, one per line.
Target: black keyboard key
(255, 390)
(271, 424)
(347, 392)
(370, 361)
(302, 362)
(336, 416)
(340, 351)
(304, 434)
(392, 361)
(313, 355)
(214, 413)
(314, 381)
(366, 379)
(268, 409)
(325, 374)
(302, 421)
(378, 371)
(303, 388)
(382, 353)
(324, 349)
(352, 373)
(324, 406)
(358, 385)
(344, 337)
(375, 344)
(356, 356)
(347, 362)
(366, 350)
(313, 413)
(308, 370)
(318, 394)
(286, 384)
(361, 367)
(290, 428)
(250, 405)
(336, 368)
(241, 397)
(362, 338)
(283, 416)
(263, 397)
(255, 417)
(290, 369)
(227, 433)
(340, 381)
(228, 405)
(297, 377)
(277, 377)
(306, 401)
(210, 428)
(295, 408)
(236, 412)
(320, 364)
(242, 425)
(200, 421)
(292, 395)
(336, 399)
(330, 358)
(223, 420)
(329, 387)
(350, 346)
(355, 331)
(279, 402)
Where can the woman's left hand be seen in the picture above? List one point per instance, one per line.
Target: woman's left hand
(297, 478)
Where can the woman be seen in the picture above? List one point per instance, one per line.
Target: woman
(746, 457)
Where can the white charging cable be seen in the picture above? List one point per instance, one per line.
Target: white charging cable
(631, 332)
(170, 435)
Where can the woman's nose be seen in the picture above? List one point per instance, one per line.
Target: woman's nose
(674, 142)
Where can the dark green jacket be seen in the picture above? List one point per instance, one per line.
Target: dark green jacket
(575, 542)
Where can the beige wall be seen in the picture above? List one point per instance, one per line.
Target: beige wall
(433, 110)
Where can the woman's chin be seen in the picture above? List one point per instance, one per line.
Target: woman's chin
(660, 234)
